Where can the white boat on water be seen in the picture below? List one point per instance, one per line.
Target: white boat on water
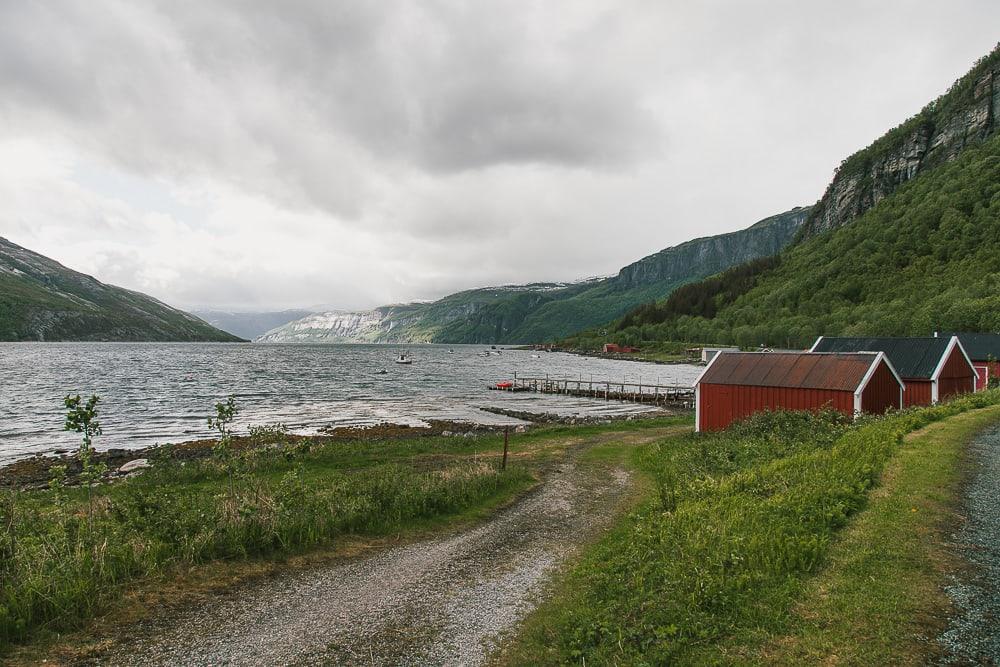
(403, 358)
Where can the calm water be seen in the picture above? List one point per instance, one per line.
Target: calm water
(154, 392)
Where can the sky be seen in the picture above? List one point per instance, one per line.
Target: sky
(256, 155)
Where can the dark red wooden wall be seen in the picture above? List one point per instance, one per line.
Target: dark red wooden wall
(918, 392)
(988, 370)
(881, 393)
(956, 377)
(720, 405)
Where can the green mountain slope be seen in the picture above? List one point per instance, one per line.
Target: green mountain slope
(41, 299)
(546, 311)
(925, 256)
(559, 313)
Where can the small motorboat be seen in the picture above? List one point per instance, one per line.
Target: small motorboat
(403, 358)
(506, 385)
(451, 351)
(381, 371)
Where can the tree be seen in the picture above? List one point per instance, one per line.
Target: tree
(82, 418)
(222, 423)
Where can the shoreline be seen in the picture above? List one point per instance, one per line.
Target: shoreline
(35, 471)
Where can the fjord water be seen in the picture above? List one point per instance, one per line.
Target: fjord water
(156, 392)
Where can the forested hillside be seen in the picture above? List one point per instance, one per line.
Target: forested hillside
(889, 250)
(927, 258)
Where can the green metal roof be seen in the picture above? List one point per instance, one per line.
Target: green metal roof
(979, 346)
(914, 358)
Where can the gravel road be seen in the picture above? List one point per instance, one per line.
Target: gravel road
(973, 636)
(444, 601)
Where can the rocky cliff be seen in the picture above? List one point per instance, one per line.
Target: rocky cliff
(964, 116)
(712, 254)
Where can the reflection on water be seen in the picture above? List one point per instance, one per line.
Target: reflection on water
(155, 392)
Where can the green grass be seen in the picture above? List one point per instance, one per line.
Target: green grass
(59, 565)
(881, 592)
(734, 526)
(59, 568)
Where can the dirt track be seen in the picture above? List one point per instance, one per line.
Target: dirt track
(448, 600)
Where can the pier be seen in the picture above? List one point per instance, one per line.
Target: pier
(609, 390)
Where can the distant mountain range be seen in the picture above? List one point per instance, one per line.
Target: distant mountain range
(539, 312)
(249, 325)
(42, 300)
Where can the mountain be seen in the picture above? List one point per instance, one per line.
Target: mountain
(41, 299)
(249, 325)
(887, 251)
(409, 322)
(963, 117)
(545, 311)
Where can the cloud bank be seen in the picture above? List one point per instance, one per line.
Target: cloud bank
(268, 155)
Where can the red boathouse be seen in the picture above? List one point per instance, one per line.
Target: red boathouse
(933, 369)
(736, 385)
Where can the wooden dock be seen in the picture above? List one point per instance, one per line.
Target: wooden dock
(635, 392)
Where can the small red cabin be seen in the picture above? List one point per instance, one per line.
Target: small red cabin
(933, 369)
(736, 385)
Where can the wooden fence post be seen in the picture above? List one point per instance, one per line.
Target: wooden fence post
(506, 435)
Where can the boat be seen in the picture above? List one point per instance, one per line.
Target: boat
(403, 358)
(507, 385)
(381, 371)
(451, 351)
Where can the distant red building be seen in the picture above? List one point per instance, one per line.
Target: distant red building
(933, 369)
(615, 348)
(736, 385)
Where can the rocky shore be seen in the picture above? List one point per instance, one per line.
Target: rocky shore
(36, 471)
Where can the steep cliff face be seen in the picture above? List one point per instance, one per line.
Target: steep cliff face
(710, 255)
(43, 300)
(546, 311)
(965, 116)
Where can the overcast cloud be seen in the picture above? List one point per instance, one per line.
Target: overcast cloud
(276, 154)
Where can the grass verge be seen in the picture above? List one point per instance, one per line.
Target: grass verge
(880, 598)
(723, 548)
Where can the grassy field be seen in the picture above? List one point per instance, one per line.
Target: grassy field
(880, 596)
(64, 560)
(724, 560)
